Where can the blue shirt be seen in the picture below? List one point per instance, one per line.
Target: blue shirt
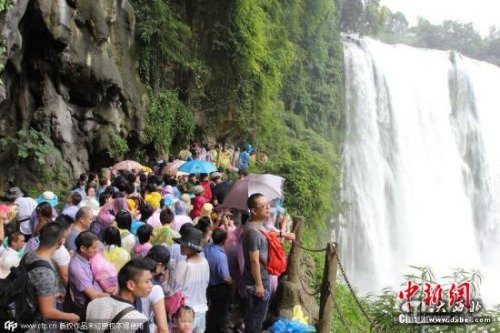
(217, 262)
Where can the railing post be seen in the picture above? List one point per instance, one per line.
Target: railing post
(327, 289)
(294, 256)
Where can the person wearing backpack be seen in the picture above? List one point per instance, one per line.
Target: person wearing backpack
(255, 253)
(39, 299)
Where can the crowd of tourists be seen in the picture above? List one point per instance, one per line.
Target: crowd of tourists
(228, 158)
(142, 250)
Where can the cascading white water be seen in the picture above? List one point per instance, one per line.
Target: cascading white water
(63, 13)
(421, 165)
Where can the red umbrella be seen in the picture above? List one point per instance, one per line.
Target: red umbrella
(270, 186)
(128, 165)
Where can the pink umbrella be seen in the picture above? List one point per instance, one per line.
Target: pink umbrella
(128, 165)
(270, 186)
(171, 168)
(176, 163)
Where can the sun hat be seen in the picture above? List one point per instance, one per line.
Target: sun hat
(198, 189)
(48, 196)
(191, 239)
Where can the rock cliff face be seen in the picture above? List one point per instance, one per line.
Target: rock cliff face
(71, 70)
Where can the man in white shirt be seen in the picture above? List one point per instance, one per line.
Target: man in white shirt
(15, 243)
(25, 207)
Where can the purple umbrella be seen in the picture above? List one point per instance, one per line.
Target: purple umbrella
(268, 185)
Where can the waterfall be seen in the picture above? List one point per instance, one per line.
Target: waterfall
(421, 165)
(63, 13)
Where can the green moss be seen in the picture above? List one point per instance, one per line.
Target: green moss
(163, 38)
(169, 123)
(5, 5)
(118, 146)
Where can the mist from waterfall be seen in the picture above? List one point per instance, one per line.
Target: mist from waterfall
(421, 165)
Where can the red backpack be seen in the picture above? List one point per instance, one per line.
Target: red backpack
(276, 256)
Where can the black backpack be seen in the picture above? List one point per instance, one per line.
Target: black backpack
(17, 295)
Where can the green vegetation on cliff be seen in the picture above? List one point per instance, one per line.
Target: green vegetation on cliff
(170, 122)
(5, 4)
(264, 72)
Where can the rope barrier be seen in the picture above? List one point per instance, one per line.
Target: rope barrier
(314, 294)
(341, 316)
(351, 289)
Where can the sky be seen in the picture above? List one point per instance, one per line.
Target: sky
(482, 13)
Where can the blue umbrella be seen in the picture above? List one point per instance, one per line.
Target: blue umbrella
(197, 166)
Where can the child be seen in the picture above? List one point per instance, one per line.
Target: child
(104, 272)
(144, 234)
(185, 319)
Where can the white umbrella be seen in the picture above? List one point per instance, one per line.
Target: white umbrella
(270, 186)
